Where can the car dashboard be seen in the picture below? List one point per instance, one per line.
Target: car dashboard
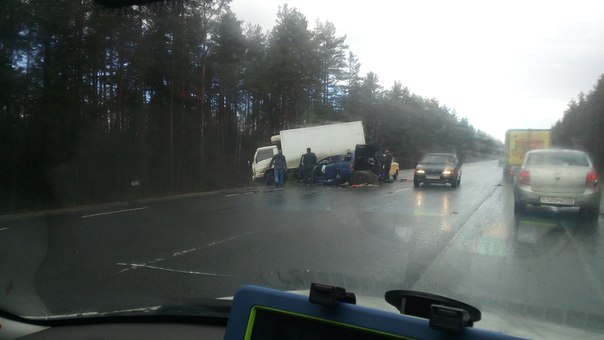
(262, 313)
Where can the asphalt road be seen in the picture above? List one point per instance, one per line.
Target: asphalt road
(464, 243)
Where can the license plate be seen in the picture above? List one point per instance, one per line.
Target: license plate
(557, 200)
(432, 177)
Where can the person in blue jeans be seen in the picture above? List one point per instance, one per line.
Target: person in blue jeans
(280, 164)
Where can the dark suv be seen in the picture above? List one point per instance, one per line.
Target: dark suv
(438, 168)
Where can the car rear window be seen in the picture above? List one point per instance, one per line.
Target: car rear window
(558, 159)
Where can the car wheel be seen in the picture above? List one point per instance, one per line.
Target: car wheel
(310, 179)
(519, 208)
(395, 175)
(590, 214)
(269, 178)
(416, 183)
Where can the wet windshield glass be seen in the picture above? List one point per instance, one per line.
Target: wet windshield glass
(140, 172)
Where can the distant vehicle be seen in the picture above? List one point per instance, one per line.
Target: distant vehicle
(517, 143)
(439, 168)
(558, 177)
(324, 140)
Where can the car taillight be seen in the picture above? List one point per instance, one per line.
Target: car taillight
(592, 179)
(524, 177)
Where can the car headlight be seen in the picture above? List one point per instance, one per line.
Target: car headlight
(447, 172)
(420, 171)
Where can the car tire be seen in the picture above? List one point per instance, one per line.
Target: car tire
(591, 214)
(395, 175)
(454, 184)
(270, 178)
(416, 183)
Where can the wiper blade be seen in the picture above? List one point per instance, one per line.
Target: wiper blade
(215, 308)
(209, 308)
(132, 311)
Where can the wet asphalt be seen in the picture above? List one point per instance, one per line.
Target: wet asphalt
(465, 243)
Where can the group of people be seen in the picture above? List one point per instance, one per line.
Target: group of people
(308, 162)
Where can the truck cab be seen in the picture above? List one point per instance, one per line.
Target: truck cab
(262, 158)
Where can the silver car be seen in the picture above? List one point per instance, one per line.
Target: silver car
(558, 177)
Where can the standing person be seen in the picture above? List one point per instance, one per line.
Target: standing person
(280, 167)
(309, 160)
(387, 165)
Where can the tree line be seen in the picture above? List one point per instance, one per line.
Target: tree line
(582, 126)
(102, 104)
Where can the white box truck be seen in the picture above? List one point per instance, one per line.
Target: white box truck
(324, 140)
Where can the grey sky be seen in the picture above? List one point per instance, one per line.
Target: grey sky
(501, 64)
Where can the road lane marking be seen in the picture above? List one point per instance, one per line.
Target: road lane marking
(135, 265)
(241, 193)
(399, 190)
(185, 251)
(114, 212)
(3, 229)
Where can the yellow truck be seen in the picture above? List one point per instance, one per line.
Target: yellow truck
(517, 143)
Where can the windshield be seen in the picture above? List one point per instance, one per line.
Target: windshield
(436, 159)
(264, 154)
(128, 138)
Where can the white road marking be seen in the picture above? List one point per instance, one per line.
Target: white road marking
(3, 229)
(242, 193)
(182, 252)
(134, 266)
(399, 190)
(114, 212)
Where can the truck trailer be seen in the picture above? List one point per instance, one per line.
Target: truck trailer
(517, 143)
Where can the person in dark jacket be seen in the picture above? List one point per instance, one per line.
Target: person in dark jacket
(309, 160)
(280, 164)
(387, 159)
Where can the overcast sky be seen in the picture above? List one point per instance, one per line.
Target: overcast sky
(501, 64)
